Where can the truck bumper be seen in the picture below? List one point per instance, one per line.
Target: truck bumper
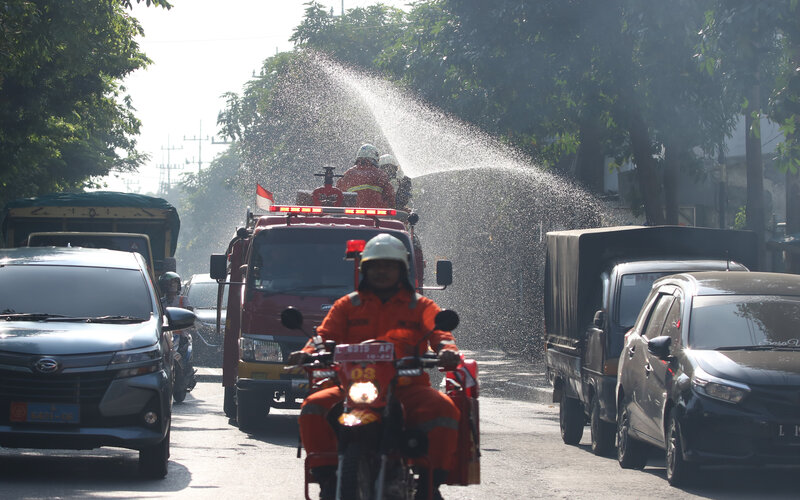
(286, 393)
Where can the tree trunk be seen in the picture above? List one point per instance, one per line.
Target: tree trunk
(591, 161)
(674, 156)
(755, 170)
(793, 218)
(646, 172)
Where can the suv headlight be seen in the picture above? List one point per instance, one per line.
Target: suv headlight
(253, 349)
(717, 388)
(137, 361)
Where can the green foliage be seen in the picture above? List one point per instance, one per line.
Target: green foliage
(63, 115)
(740, 220)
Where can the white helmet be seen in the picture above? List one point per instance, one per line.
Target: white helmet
(369, 153)
(385, 247)
(387, 159)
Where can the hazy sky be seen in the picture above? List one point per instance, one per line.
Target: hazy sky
(201, 49)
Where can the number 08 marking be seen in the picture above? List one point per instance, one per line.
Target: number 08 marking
(363, 374)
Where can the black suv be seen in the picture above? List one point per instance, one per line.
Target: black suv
(85, 356)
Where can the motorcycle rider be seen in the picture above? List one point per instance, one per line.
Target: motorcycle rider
(169, 284)
(386, 307)
(397, 178)
(366, 179)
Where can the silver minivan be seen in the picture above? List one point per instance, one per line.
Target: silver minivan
(85, 353)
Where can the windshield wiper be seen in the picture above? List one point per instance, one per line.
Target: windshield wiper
(115, 319)
(753, 348)
(29, 316)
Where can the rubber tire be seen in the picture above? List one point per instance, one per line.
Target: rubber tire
(250, 410)
(570, 419)
(679, 472)
(631, 453)
(603, 433)
(229, 402)
(179, 384)
(154, 460)
(358, 477)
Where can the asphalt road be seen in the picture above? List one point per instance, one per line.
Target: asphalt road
(522, 457)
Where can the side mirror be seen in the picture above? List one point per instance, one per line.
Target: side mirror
(599, 319)
(444, 272)
(219, 266)
(659, 346)
(292, 318)
(179, 318)
(446, 320)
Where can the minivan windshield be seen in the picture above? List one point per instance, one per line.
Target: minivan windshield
(72, 291)
(742, 321)
(306, 261)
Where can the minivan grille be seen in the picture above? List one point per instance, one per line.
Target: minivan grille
(82, 388)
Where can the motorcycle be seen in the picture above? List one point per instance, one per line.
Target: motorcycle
(184, 373)
(379, 457)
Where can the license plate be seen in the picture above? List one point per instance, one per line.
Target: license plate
(47, 413)
(789, 433)
(379, 351)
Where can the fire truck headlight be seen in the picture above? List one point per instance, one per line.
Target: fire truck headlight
(363, 392)
(254, 349)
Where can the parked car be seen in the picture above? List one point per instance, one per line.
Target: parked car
(200, 295)
(85, 356)
(710, 373)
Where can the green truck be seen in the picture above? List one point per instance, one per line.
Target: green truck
(105, 219)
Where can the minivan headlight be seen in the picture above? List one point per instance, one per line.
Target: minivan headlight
(253, 349)
(717, 388)
(137, 361)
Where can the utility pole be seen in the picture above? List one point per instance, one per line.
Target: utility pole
(129, 183)
(165, 187)
(199, 138)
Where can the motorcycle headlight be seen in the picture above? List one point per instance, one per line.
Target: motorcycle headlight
(363, 392)
(137, 361)
(253, 349)
(723, 390)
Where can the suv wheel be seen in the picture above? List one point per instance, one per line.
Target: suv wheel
(153, 460)
(631, 453)
(678, 471)
(570, 419)
(603, 432)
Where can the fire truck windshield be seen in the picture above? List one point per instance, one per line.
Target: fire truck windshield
(307, 261)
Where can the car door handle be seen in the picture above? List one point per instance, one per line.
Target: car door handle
(648, 369)
(631, 351)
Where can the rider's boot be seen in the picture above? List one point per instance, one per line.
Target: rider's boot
(326, 477)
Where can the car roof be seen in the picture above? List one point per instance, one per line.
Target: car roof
(677, 265)
(68, 256)
(200, 278)
(735, 283)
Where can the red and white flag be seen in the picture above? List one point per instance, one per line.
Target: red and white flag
(264, 198)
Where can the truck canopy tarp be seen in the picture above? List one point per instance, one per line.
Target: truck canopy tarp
(99, 199)
(583, 253)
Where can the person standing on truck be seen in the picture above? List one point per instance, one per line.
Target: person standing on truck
(367, 180)
(386, 307)
(399, 181)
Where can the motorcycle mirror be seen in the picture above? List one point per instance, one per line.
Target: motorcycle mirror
(292, 318)
(446, 320)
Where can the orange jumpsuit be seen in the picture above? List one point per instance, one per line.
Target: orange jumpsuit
(403, 320)
(371, 184)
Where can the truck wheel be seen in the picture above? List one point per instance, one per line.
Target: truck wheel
(678, 471)
(250, 410)
(603, 432)
(229, 402)
(631, 453)
(571, 419)
(153, 460)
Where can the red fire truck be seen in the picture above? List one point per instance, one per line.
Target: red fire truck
(293, 256)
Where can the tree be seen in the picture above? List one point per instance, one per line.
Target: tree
(63, 115)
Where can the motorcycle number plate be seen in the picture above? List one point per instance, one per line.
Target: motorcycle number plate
(379, 351)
